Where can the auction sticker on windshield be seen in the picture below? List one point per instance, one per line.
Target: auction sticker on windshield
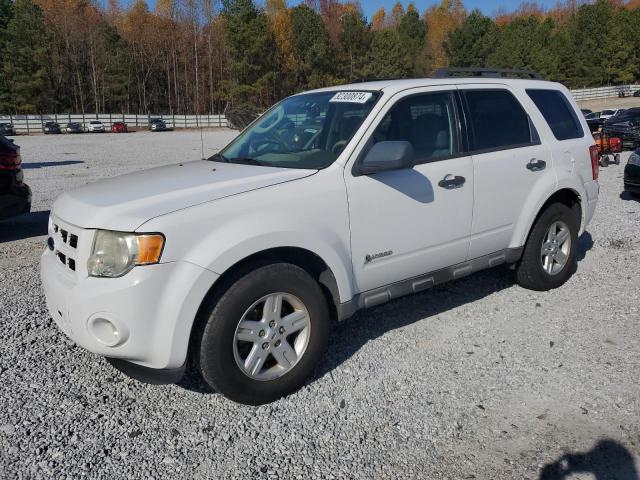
(351, 97)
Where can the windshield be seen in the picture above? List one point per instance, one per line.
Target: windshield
(304, 131)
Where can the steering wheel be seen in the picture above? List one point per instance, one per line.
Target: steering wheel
(279, 115)
(338, 147)
(272, 139)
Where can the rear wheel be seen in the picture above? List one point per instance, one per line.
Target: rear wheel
(549, 257)
(264, 335)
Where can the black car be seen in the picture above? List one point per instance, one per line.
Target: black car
(15, 196)
(626, 126)
(51, 128)
(7, 129)
(74, 127)
(157, 125)
(594, 121)
(632, 174)
(586, 111)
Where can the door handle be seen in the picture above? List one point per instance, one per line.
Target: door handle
(452, 181)
(536, 165)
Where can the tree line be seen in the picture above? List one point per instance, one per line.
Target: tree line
(203, 56)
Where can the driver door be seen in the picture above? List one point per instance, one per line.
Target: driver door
(405, 223)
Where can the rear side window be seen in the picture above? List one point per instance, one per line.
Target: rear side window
(497, 121)
(558, 113)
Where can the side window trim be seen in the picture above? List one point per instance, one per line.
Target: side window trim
(533, 132)
(458, 121)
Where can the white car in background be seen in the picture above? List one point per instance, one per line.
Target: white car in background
(606, 114)
(96, 126)
(335, 200)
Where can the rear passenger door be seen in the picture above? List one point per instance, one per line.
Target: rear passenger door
(509, 161)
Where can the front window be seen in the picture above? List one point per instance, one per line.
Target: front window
(304, 131)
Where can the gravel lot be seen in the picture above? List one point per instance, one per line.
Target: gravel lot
(477, 379)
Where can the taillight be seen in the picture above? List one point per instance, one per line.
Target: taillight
(10, 161)
(595, 164)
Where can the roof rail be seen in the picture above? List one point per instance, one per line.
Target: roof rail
(449, 72)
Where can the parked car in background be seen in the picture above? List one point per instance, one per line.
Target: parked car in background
(119, 127)
(95, 126)
(240, 263)
(626, 126)
(632, 174)
(15, 195)
(586, 111)
(51, 128)
(605, 114)
(74, 127)
(594, 121)
(7, 129)
(636, 93)
(157, 125)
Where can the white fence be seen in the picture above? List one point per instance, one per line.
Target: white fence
(604, 92)
(34, 123)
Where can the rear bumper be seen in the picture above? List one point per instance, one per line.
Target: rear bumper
(592, 189)
(15, 199)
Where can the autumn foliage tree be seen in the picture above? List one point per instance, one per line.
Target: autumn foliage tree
(202, 56)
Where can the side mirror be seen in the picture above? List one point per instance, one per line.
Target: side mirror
(385, 156)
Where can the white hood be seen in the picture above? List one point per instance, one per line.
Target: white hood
(127, 201)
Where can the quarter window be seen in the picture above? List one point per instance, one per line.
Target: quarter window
(427, 121)
(497, 121)
(558, 113)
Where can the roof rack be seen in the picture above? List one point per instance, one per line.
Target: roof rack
(449, 72)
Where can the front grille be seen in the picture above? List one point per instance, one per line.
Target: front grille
(66, 241)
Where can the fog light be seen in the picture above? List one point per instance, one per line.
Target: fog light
(107, 331)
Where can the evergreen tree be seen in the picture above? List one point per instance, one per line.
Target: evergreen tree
(353, 44)
(412, 31)
(252, 51)
(387, 57)
(25, 88)
(312, 47)
(471, 44)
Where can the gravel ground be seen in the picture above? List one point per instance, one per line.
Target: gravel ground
(476, 379)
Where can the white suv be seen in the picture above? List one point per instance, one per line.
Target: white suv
(332, 201)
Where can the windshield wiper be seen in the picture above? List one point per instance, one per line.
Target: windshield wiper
(249, 161)
(218, 157)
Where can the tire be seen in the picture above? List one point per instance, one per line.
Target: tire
(220, 355)
(616, 159)
(531, 272)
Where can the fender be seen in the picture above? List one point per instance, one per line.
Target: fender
(234, 252)
(309, 213)
(536, 200)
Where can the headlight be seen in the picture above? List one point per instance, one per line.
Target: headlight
(116, 253)
(634, 159)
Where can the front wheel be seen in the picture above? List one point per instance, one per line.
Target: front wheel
(549, 257)
(264, 335)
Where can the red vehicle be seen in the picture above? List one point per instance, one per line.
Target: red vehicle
(119, 127)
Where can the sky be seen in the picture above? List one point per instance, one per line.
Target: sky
(488, 7)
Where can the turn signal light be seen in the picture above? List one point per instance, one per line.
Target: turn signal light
(149, 249)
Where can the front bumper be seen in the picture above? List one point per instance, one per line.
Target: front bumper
(143, 318)
(632, 178)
